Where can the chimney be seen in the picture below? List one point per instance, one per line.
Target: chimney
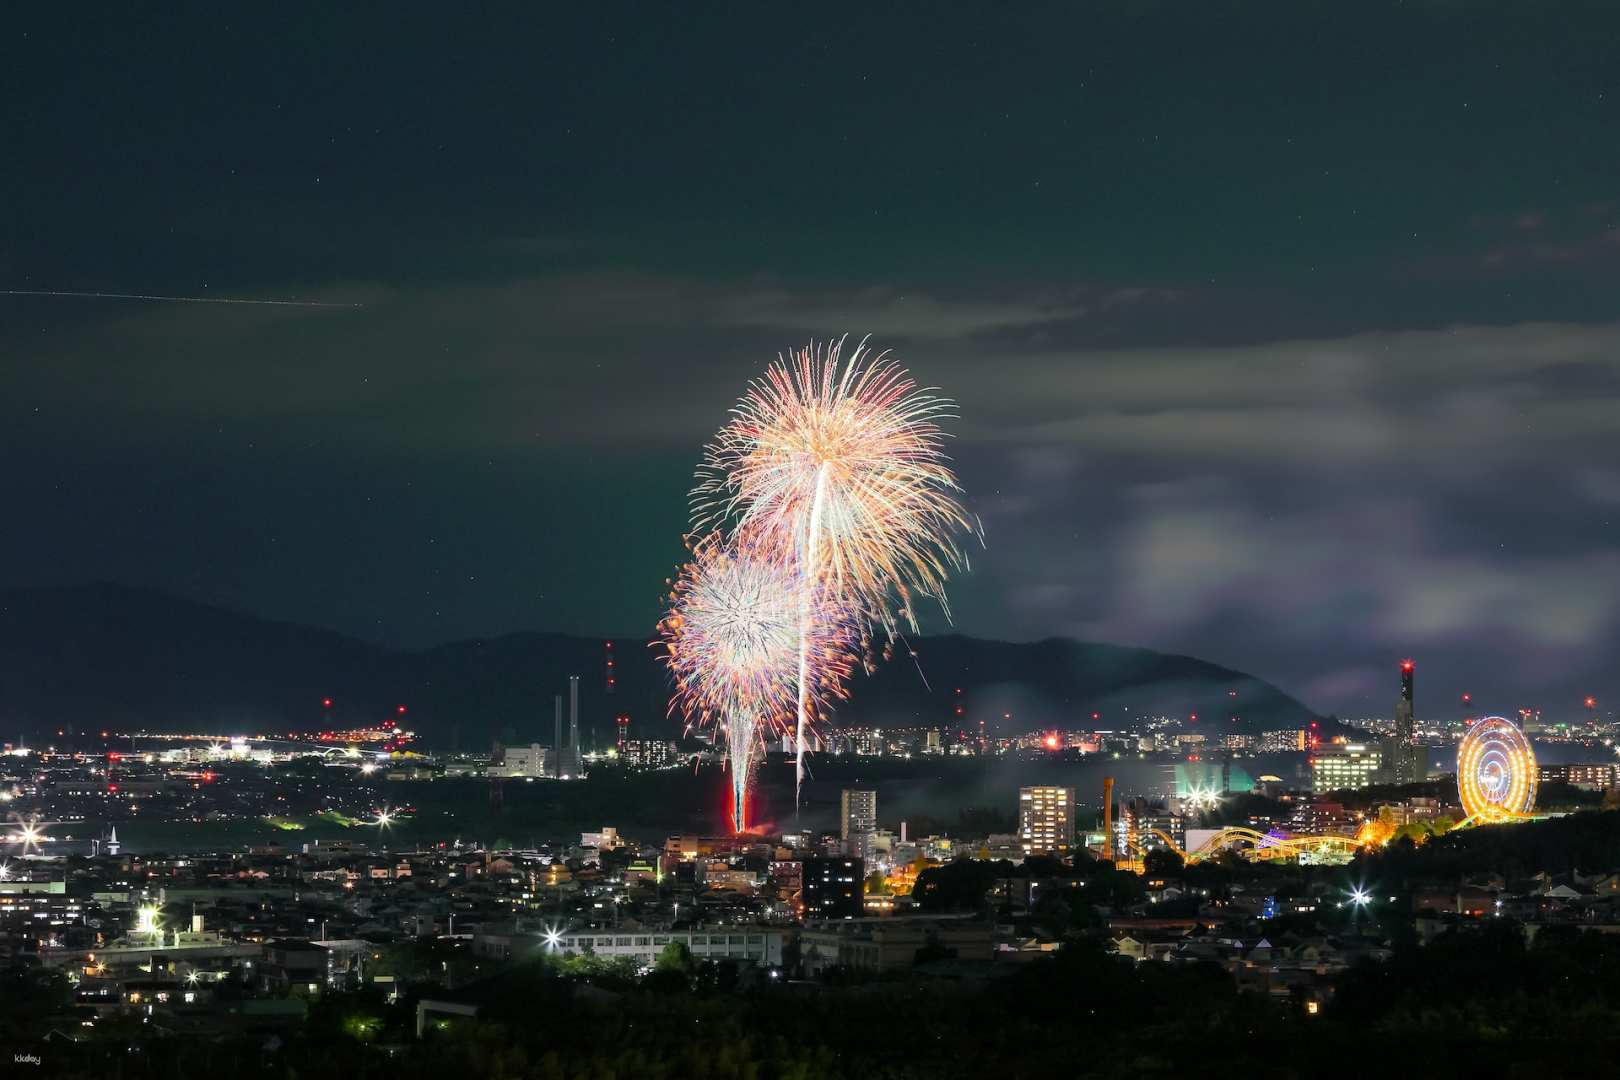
(557, 743)
(573, 721)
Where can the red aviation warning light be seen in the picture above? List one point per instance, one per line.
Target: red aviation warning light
(1406, 665)
(1591, 702)
(612, 675)
(326, 703)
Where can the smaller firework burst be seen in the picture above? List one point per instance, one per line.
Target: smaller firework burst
(732, 639)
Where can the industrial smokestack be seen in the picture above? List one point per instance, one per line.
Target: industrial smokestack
(556, 742)
(573, 722)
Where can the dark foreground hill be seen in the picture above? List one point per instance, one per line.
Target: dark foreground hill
(106, 656)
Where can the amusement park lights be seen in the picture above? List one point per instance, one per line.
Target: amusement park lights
(1496, 772)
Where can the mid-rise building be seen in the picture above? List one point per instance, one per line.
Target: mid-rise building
(1592, 775)
(521, 761)
(1145, 827)
(833, 888)
(1046, 820)
(1350, 768)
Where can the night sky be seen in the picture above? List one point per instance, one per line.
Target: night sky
(1286, 335)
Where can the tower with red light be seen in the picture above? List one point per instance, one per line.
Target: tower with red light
(612, 675)
(1405, 756)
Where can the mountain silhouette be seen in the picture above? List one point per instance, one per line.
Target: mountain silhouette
(109, 657)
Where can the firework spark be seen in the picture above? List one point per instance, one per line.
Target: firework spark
(732, 641)
(842, 464)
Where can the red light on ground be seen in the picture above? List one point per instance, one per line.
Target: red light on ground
(112, 787)
(115, 756)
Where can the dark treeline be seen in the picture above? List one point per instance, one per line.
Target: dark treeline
(1469, 1001)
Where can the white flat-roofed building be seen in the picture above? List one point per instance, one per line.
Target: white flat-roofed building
(749, 944)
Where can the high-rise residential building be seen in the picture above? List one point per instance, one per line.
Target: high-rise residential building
(1046, 820)
(833, 888)
(858, 813)
(1349, 768)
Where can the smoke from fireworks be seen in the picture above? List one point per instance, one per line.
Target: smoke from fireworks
(842, 465)
(732, 641)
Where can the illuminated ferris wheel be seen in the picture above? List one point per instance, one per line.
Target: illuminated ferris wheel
(1496, 771)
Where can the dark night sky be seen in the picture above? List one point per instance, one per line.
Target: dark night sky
(1288, 340)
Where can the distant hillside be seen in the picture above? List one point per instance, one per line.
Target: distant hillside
(106, 656)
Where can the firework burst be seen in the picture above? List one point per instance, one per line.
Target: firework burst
(732, 641)
(842, 464)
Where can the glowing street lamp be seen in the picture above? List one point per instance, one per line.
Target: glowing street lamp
(1360, 897)
(29, 834)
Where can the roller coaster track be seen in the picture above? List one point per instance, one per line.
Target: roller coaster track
(1256, 846)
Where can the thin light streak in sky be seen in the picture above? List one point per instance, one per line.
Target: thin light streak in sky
(175, 299)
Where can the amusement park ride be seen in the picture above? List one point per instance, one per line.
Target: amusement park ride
(1496, 784)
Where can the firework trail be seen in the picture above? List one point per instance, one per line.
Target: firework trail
(732, 641)
(842, 464)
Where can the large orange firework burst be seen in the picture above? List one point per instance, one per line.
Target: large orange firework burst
(732, 641)
(842, 464)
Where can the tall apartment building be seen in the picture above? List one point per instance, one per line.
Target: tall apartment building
(858, 813)
(1046, 820)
